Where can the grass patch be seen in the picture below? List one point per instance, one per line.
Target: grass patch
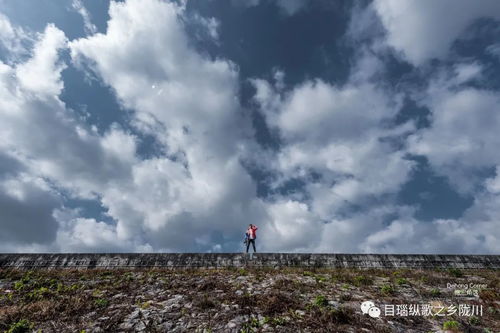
(307, 273)
(320, 278)
(39, 293)
(455, 272)
(401, 281)
(275, 321)
(320, 301)
(387, 289)
(474, 320)
(19, 285)
(290, 299)
(21, 326)
(435, 292)
(451, 325)
(362, 280)
(101, 302)
(250, 326)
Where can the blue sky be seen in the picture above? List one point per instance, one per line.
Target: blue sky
(140, 126)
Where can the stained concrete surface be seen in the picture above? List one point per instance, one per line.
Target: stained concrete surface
(218, 260)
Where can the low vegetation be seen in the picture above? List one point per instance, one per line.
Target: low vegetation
(243, 300)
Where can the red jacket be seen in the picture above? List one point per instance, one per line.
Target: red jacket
(252, 232)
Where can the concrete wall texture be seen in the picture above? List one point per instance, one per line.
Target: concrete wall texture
(219, 260)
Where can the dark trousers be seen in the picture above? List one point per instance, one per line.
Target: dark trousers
(253, 244)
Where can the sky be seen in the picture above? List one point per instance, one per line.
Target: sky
(170, 126)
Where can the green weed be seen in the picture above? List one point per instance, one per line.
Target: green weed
(21, 326)
(401, 281)
(320, 301)
(387, 289)
(101, 302)
(451, 325)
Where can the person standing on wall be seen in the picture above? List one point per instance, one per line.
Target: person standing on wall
(252, 235)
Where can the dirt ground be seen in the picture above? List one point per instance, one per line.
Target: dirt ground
(248, 300)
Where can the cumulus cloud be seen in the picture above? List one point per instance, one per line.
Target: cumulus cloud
(78, 234)
(13, 38)
(293, 227)
(422, 30)
(34, 119)
(462, 140)
(459, 143)
(41, 73)
(337, 132)
(369, 231)
(377, 231)
(199, 187)
(475, 232)
(48, 143)
(339, 143)
(89, 27)
(339, 135)
(26, 203)
(196, 195)
(209, 26)
(27, 200)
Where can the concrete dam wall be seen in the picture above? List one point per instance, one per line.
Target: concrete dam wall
(220, 260)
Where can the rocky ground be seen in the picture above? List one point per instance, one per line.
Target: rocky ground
(242, 300)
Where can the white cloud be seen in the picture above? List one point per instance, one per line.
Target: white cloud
(12, 37)
(162, 203)
(466, 72)
(292, 227)
(50, 146)
(493, 185)
(426, 29)
(89, 27)
(26, 203)
(210, 25)
(462, 140)
(45, 135)
(390, 239)
(132, 61)
(8, 33)
(88, 235)
(368, 231)
(338, 114)
(190, 104)
(476, 232)
(339, 133)
(40, 74)
(197, 195)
